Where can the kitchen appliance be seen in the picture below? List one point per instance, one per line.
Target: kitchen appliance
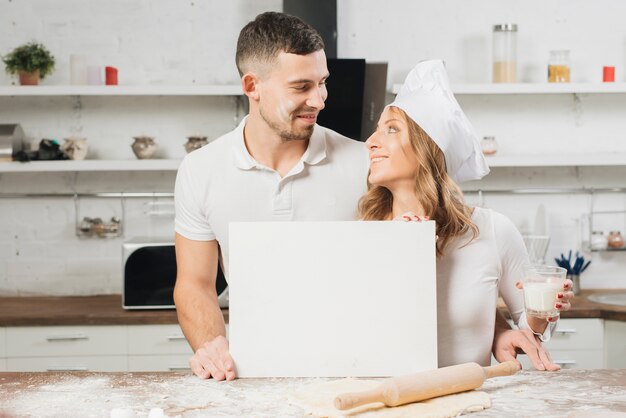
(149, 274)
(426, 385)
(11, 141)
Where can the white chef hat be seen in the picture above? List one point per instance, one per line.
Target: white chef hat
(426, 97)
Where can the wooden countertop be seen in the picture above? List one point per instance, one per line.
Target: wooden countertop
(568, 393)
(79, 310)
(107, 310)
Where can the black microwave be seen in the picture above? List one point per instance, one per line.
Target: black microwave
(149, 275)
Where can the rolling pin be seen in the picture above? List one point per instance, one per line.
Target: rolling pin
(415, 387)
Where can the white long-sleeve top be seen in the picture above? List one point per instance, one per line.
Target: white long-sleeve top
(469, 279)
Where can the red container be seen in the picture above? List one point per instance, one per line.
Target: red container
(608, 74)
(111, 76)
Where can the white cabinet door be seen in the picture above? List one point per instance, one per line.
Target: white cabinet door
(160, 363)
(157, 339)
(577, 334)
(3, 365)
(66, 341)
(74, 363)
(3, 342)
(615, 344)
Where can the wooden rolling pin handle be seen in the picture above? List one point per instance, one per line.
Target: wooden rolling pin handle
(352, 400)
(507, 368)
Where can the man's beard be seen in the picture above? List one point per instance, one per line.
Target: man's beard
(288, 135)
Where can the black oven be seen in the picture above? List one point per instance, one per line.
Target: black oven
(149, 274)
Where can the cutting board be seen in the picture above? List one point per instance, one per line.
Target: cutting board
(332, 298)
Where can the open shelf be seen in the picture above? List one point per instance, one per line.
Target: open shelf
(533, 88)
(149, 90)
(557, 160)
(90, 165)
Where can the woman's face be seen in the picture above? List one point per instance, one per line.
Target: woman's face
(392, 159)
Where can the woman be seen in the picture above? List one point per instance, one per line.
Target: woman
(422, 146)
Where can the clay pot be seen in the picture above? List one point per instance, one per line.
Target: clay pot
(75, 147)
(29, 79)
(195, 142)
(144, 147)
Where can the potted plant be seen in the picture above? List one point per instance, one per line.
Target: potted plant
(31, 61)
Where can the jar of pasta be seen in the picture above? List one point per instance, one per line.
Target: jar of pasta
(559, 67)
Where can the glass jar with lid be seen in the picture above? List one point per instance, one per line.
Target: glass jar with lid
(598, 240)
(505, 53)
(615, 240)
(559, 67)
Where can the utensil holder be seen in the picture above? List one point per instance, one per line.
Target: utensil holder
(575, 278)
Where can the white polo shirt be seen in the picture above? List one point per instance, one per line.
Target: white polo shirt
(222, 183)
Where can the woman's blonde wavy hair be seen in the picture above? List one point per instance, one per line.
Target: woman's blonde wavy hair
(438, 194)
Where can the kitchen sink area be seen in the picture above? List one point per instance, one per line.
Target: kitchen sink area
(618, 298)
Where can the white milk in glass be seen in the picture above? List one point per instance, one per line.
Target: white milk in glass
(540, 298)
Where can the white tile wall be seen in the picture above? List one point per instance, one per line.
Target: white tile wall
(168, 42)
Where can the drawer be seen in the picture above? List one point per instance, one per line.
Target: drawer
(577, 334)
(3, 342)
(87, 363)
(572, 359)
(157, 339)
(65, 341)
(177, 362)
(615, 344)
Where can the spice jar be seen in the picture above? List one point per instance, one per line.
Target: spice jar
(615, 240)
(505, 53)
(489, 145)
(559, 67)
(598, 241)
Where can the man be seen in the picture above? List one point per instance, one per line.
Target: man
(277, 165)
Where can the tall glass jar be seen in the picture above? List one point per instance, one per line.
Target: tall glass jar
(559, 67)
(505, 53)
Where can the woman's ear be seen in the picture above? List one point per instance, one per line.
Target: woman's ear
(249, 83)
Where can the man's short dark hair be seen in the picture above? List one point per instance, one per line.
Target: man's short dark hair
(271, 33)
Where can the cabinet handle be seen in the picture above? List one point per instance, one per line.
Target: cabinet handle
(178, 368)
(71, 337)
(67, 369)
(175, 337)
(564, 362)
(567, 331)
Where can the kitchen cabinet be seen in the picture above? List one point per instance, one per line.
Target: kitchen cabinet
(576, 344)
(615, 343)
(96, 348)
(3, 351)
(68, 363)
(66, 341)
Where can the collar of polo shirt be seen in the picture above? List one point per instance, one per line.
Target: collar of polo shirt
(314, 154)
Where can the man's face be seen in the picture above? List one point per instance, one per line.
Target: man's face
(292, 94)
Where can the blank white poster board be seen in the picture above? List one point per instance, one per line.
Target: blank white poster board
(332, 299)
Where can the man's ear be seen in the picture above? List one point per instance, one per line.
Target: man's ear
(249, 83)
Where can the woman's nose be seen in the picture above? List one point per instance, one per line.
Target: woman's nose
(371, 142)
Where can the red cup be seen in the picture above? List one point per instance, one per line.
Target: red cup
(111, 76)
(608, 74)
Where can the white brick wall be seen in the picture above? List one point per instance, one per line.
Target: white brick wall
(174, 42)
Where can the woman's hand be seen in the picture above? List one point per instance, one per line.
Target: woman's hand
(563, 298)
(411, 217)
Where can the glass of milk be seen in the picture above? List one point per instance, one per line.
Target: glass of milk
(541, 285)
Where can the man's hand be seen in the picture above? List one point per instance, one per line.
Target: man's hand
(507, 344)
(213, 359)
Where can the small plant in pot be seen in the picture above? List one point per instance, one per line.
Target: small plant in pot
(31, 61)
